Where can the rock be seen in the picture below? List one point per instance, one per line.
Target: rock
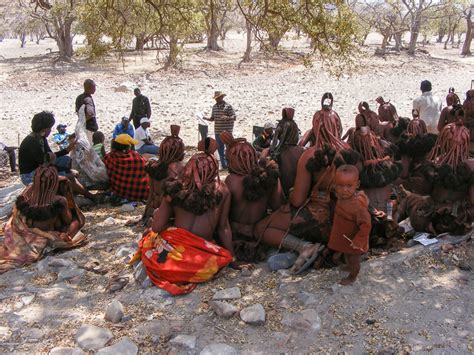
(27, 299)
(447, 247)
(66, 351)
(146, 283)
(223, 309)
(307, 319)
(155, 293)
(33, 334)
(124, 347)
(464, 266)
(139, 273)
(127, 207)
(109, 221)
(68, 274)
(155, 329)
(254, 315)
(90, 337)
(227, 294)
(246, 272)
(307, 298)
(188, 341)
(5, 334)
(124, 251)
(125, 87)
(218, 349)
(114, 312)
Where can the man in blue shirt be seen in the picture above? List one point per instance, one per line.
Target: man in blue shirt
(124, 127)
(61, 138)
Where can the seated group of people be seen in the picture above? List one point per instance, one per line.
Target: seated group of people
(324, 204)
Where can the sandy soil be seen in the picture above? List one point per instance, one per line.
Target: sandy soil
(416, 300)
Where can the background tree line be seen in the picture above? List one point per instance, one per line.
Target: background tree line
(335, 29)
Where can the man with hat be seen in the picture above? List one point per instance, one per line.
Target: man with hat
(126, 170)
(429, 107)
(124, 127)
(144, 143)
(61, 138)
(264, 139)
(223, 116)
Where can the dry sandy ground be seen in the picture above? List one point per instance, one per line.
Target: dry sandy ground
(411, 301)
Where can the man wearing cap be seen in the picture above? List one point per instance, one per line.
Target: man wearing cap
(86, 99)
(124, 127)
(223, 116)
(140, 108)
(126, 170)
(61, 138)
(429, 107)
(264, 139)
(144, 143)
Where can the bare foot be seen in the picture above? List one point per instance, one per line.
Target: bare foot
(304, 256)
(347, 281)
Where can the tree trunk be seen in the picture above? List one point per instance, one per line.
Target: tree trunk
(172, 61)
(23, 40)
(446, 42)
(140, 42)
(466, 48)
(384, 43)
(274, 40)
(248, 48)
(398, 41)
(213, 32)
(64, 38)
(415, 30)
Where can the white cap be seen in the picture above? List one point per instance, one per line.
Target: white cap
(268, 125)
(144, 120)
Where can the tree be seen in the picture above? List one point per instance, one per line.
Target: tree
(215, 13)
(58, 17)
(466, 48)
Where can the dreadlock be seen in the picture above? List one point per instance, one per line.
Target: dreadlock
(327, 126)
(36, 202)
(196, 191)
(286, 133)
(171, 150)
(452, 146)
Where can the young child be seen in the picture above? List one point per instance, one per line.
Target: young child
(98, 141)
(351, 224)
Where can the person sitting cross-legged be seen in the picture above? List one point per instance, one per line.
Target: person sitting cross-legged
(142, 135)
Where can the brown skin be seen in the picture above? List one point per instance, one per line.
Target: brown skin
(156, 194)
(379, 196)
(250, 212)
(89, 88)
(346, 184)
(214, 221)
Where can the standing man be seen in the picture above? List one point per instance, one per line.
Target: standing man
(140, 108)
(145, 144)
(123, 127)
(429, 107)
(223, 116)
(86, 99)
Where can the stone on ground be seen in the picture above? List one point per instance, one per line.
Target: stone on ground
(114, 312)
(124, 347)
(306, 319)
(188, 341)
(254, 315)
(90, 337)
(66, 351)
(227, 294)
(223, 309)
(218, 349)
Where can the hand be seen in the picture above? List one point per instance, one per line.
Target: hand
(51, 157)
(239, 265)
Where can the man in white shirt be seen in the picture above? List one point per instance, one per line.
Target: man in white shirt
(142, 135)
(429, 107)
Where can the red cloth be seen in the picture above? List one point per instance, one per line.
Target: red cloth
(176, 260)
(127, 175)
(352, 219)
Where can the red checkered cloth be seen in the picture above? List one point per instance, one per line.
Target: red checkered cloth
(127, 175)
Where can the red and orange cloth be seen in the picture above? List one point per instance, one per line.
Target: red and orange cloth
(176, 260)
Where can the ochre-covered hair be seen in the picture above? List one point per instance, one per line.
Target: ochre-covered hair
(452, 146)
(327, 126)
(286, 133)
(417, 126)
(171, 150)
(36, 202)
(241, 156)
(452, 99)
(196, 191)
(367, 144)
(242, 160)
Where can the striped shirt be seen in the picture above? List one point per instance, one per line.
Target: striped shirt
(223, 116)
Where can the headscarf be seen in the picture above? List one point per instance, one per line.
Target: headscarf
(241, 155)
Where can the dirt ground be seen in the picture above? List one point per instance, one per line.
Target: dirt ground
(418, 300)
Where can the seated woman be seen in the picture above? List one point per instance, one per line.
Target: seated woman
(184, 252)
(284, 149)
(448, 113)
(448, 208)
(254, 190)
(169, 165)
(45, 218)
(126, 170)
(304, 224)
